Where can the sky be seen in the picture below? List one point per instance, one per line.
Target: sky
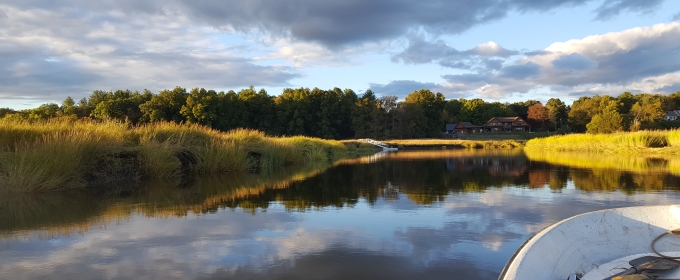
(497, 50)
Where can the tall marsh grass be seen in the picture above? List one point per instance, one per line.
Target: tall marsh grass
(621, 142)
(61, 154)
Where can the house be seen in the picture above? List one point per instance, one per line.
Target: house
(506, 124)
(467, 128)
(672, 115)
(451, 128)
(463, 128)
(494, 125)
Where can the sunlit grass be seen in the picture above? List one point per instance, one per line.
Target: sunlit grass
(59, 154)
(487, 144)
(660, 142)
(631, 163)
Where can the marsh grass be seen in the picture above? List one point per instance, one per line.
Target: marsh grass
(470, 144)
(630, 163)
(622, 142)
(158, 160)
(62, 154)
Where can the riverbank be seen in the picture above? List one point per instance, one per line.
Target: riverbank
(420, 144)
(64, 154)
(640, 142)
(435, 144)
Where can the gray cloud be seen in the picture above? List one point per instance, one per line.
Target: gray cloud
(420, 51)
(402, 88)
(50, 49)
(493, 64)
(676, 16)
(521, 72)
(466, 78)
(574, 61)
(611, 8)
(670, 88)
(632, 60)
(535, 53)
(333, 23)
(80, 51)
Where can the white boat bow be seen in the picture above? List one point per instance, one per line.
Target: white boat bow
(597, 245)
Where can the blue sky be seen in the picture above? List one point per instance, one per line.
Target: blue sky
(511, 50)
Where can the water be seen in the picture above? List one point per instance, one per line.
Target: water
(426, 215)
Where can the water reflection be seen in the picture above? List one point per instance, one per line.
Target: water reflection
(411, 215)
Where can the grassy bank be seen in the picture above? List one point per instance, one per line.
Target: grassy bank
(657, 142)
(62, 154)
(454, 143)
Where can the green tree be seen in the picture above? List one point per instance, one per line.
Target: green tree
(230, 111)
(165, 106)
(259, 109)
(5, 111)
(607, 121)
(557, 111)
(431, 106)
(44, 111)
(583, 110)
(627, 101)
(366, 120)
(201, 107)
(647, 112)
(68, 107)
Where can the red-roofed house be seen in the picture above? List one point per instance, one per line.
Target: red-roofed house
(506, 124)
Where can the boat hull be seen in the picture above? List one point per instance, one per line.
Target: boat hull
(583, 243)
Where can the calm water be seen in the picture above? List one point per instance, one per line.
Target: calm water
(425, 215)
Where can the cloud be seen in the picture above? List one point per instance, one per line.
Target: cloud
(520, 71)
(420, 51)
(574, 61)
(493, 49)
(402, 88)
(611, 8)
(676, 17)
(334, 23)
(80, 51)
(636, 60)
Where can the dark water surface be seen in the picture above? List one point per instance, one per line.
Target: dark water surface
(415, 215)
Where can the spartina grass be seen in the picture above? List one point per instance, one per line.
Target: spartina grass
(60, 154)
(674, 138)
(51, 162)
(621, 142)
(158, 160)
(220, 156)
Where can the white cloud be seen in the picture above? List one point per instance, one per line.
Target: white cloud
(637, 60)
(80, 52)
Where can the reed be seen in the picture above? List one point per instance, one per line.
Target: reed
(221, 157)
(61, 154)
(471, 144)
(622, 142)
(51, 161)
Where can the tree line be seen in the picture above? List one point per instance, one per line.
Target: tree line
(342, 114)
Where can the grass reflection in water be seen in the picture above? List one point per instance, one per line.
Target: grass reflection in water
(424, 178)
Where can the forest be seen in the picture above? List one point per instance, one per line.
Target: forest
(342, 114)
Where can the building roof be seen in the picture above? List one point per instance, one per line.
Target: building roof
(451, 126)
(508, 119)
(675, 113)
(467, 125)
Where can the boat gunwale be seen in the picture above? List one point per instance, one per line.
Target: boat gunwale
(548, 228)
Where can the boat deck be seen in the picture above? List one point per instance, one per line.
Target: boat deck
(606, 270)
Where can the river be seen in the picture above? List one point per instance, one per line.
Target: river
(450, 214)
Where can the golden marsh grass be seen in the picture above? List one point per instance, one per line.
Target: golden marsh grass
(658, 142)
(60, 154)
